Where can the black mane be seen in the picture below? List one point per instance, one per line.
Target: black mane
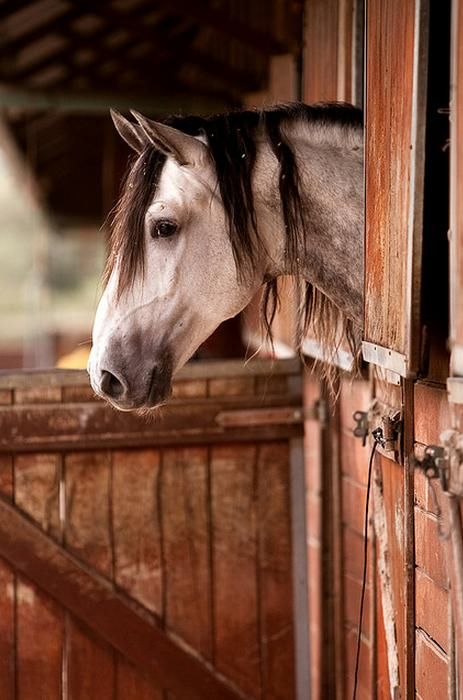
(232, 142)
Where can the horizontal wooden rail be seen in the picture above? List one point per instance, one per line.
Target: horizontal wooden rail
(95, 602)
(94, 425)
(212, 402)
(204, 369)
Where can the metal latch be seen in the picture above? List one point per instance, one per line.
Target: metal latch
(386, 434)
(362, 427)
(434, 464)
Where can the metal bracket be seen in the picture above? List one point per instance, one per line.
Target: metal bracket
(434, 463)
(386, 435)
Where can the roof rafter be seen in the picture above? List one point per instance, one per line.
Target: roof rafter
(232, 28)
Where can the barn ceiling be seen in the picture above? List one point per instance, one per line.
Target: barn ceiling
(64, 62)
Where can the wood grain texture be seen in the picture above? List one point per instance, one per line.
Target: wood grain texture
(394, 187)
(456, 189)
(7, 599)
(90, 670)
(132, 685)
(37, 483)
(275, 582)
(88, 517)
(136, 531)
(94, 601)
(39, 644)
(235, 584)
(95, 425)
(392, 476)
(321, 51)
(187, 546)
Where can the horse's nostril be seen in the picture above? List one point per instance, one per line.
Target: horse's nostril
(111, 385)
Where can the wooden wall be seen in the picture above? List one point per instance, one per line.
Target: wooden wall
(411, 637)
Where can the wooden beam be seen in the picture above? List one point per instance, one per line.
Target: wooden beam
(95, 425)
(133, 23)
(87, 102)
(12, 6)
(228, 26)
(93, 600)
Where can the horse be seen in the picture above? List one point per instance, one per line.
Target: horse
(214, 209)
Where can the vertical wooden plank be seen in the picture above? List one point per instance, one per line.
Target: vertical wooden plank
(39, 646)
(235, 573)
(276, 589)
(321, 51)
(37, 483)
(131, 685)
(7, 599)
(300, 569)
(456, 192)
(136, 531)
(394, 155)
(313, 466)
(392, 480)
(39, 620)
(186, 544)
(89, 665)
(87, 530)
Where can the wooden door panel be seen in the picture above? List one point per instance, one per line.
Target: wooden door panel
(122, 565)
(396, 48)
(456, 194)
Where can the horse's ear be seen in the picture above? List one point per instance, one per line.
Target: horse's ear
(185, 149)
(132, 134)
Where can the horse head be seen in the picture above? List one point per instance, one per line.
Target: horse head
(172, 275)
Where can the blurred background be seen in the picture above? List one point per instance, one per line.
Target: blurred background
(63, 63)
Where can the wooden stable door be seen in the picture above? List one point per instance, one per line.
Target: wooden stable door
(395, 115)
(154, 558)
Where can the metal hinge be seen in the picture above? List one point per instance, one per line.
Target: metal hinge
(278, 415)
(384, 429)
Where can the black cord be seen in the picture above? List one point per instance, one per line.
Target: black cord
(365, 569)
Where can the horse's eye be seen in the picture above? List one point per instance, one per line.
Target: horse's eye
(163, 229)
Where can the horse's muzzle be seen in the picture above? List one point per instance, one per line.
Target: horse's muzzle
(144, 390)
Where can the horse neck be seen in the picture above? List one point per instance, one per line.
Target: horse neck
(330, 251)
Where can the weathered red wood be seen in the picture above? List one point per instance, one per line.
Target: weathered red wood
(132, 685)
(186, 533)
(87, 530)
(394, 153)
(235, 583)
(275, 581)
(89, 665)
(321, 50)
(136, 526)
(7, 632)
(39, 620)
(456, 191)
(133, 632)
(36, 489)
(313, 467)
(7, 599)
(392, 476)
(39, 643)
(432, 674)
(383, 684)
(93, 425)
